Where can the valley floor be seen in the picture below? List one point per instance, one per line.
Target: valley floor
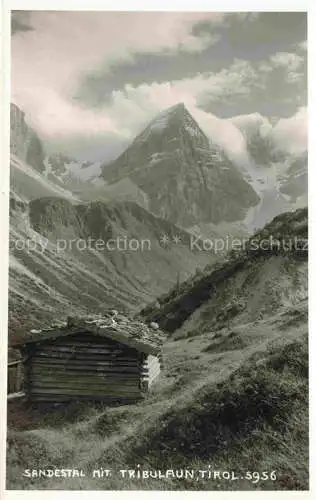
(233, 400)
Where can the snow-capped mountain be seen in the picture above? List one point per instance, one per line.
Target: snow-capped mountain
(187, 178)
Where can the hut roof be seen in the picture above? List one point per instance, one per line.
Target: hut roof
(127, 331)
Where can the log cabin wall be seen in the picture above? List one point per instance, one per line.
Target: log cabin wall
(84, 366)
(15, 377)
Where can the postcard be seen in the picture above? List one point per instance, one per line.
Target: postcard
(158, 252)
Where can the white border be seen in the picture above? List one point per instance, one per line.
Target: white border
(4, 227)
(162, 5)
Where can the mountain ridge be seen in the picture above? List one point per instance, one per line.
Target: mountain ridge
(84, 256)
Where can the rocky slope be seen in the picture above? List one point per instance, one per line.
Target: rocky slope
(187, 179)
(24, 142)
(293, 178)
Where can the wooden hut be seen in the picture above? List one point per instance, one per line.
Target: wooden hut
(108, 358)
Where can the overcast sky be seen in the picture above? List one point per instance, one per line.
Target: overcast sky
(89, 81)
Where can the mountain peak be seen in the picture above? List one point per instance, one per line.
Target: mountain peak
(176, 107)
(173, 122)
(185, 179)
(178, 110)
(167, 114)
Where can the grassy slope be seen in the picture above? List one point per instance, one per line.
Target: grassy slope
(223, 408)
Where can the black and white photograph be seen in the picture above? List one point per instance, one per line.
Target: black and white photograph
(158, 251)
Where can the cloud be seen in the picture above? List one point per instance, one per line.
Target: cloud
(288, 60)
(236, 80)
(54, 114)
(302, 45)
(65, 45)
(291, 134)
(224, 133)
(131, 108)
(291, 63)
(49, 61)
(288, 135)
(253, 124)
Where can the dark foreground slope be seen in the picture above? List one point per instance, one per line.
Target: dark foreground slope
(269, 272)
(233, 395)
